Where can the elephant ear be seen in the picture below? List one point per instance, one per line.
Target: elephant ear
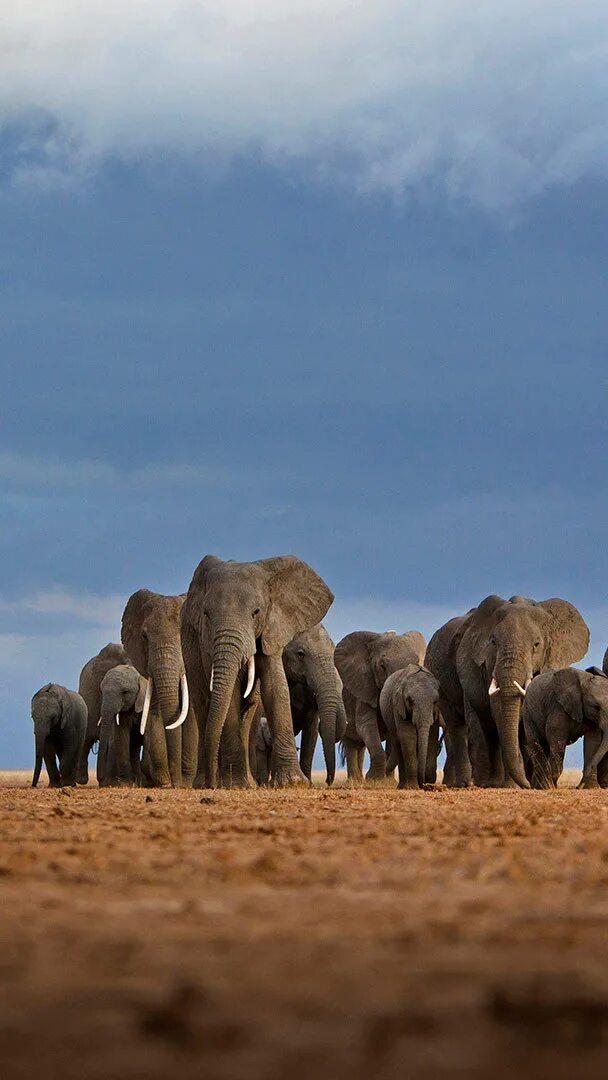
(352, 660)
(481, 625)
(131, 629)
(66, 705)
(566, 686)
(299, 599)
(568, 637)
(141, 694)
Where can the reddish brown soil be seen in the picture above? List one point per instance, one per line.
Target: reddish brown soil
(271, 935)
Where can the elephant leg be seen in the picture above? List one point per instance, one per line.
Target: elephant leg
(285, 767)
(121, 745)
(556, 758)
(457, 772)
(368, 732)
(234, 763)
(156, 762)
(82, 777)
(591, 743)
(51, 765)
(409, 752)
(189, 749)
(354, 754)
(486, 749)
(134, 755)
(310, 732)
(430, 774)
(174, 755)
(602, 772)
(247, 720)
(541, 766)
(69, 759)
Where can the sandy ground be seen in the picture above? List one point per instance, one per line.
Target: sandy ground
(343, 933)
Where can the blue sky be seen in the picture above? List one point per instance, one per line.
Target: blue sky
(361, 317)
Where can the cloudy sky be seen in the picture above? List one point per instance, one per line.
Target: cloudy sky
(326, 278)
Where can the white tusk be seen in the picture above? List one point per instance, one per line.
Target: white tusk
(183, 685)
(494, 688)
(250, 676)
(211, 679)
(117, 719)
(520, 688)
(146, 708)
(99, 722)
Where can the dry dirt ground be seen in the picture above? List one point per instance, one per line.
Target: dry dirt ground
(270, 935)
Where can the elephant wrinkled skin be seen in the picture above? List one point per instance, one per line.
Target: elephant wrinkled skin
(315, 689)
(89, 688)
(123, 693)
(561, 707)
(409, 704)
(60, 724)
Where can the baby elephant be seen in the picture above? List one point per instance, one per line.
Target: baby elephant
(559, 708)
(410, 710)
(60, 724)
(123, 695)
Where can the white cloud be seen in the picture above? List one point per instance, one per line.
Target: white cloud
(22, 473)
(490, 101)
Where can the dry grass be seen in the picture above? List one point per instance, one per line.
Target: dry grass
(270, 934)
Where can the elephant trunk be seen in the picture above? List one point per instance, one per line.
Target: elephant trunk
(41, 735)
(166, 669)
(107, 722)
(423, 719)
(332, 718)
(509, 716)
(229, 655)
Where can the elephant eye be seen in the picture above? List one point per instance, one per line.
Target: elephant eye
(536, 644)
(256, 612)
(301, 652)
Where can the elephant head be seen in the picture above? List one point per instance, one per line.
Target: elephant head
(414, 698)
(51, 708)
(309, 665)
(583, 695)
(239, 610)
(365, 659)
(509, 642)
(151, 637)
(123, 694)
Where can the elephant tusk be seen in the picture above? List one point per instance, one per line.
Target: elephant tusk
(250, 676)
(183, 685)
(519, 687)
(117, 719)
(211, 679)
(494, 688)
(146, 708)
(99, 722)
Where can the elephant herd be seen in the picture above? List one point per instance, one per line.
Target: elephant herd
(212, 687)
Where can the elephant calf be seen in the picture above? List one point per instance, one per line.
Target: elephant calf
(123, 695)
(315, 691)
(559, 708)
(410, 710)
(60, 724)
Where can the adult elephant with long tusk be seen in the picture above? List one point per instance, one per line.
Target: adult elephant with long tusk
(236, 620)
(151, 637)
(487, 660)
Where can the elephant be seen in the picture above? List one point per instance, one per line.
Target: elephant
(560, 707)
(315, 690)
(260, 750)
(151, 636)
(409, 705)
(60, 724)
(89, 688)
(485, 661)
(236, 621)
(364, 660)
(123, 693)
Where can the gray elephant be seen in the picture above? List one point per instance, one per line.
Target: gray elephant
(123, 694)
(364, 660)
(89, 688)
(409, 704)
(315, 690)
(60, 724)
(151, 636)
(561, 707)
(236, 620)
(485, 661)
(260, 754)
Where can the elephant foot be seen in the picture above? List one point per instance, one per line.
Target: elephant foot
(232, 780)
(289, 776)
(375, 776)
(409, 785)
(588, 784)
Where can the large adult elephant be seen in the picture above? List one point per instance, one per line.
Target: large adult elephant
(89, 688)
(365, 660)
(315, 689)
(60, 724)
(493, 654)
(151, 636)
(236, 620)
(123, 695)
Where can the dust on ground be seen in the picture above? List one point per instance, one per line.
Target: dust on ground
(272, 934)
